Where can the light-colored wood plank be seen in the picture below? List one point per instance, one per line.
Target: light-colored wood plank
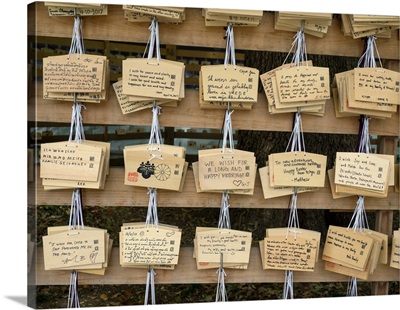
(118, 194)
(258, 118)
(186, 272)
(384, 219)
(193, 32)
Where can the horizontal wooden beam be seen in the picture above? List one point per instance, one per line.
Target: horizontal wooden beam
(193, 32)
(117, 194)
(109, 112)
(186, 273)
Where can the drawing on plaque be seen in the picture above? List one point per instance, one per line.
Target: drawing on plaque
(162, 172)
(146, 169)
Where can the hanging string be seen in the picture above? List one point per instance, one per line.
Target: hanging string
(77, 123)
(153, 41)
(288, 287)
(224, 219)
(221, 294)
(77, 45)
(150, 287)
(296, 140)
(359, 219)
(155, 132)
(230, 47)
(299, 47)
(367, 59)
(293, 221)
(73, 298)
(76, 216)
(352, 287)
(227, 132)
(364, 144)
(152, 217)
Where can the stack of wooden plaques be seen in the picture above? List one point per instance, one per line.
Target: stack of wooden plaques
(148, 81)
(287, 172)
(221, 247)
(361, 174)
(76, 77)
(85, 249)
(360, 26)
(290, 249)
(224, 17)
(217, 171)
(292, 87)
(278, 191)
(354, 253)
(137, 13)
(162, 166)
(315, 24)
(68, 165)
(72, 9)
(220, 86)
(142, 246)
(366, 91)
(130, 104)
(395, 252)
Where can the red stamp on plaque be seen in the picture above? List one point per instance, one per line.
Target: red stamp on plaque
(133, 176)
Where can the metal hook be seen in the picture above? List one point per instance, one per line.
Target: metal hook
(221, 261)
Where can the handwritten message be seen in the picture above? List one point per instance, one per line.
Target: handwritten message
(233, 83)
(70, 161)
(277, 191)
(73, 73)
(150, 245)
(290, 253)
(303, 83)
(74, 248)
(268, 77)
(377, 85)
(350, 247)
(298, 169)
(152, 78)
(154, 11)
(362, 170)
(395, 252)
(130, 104)
(234, 245)
(72, 11)
(227, 171)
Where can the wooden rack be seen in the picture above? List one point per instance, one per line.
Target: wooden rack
(193, 32)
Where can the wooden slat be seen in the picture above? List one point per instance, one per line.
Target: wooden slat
(258, 118)
(384, 219)
(118, 194)
(187, 273)
(193, 32)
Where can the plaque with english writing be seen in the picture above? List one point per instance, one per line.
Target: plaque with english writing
(229, 83)
(153, 78)
(377, 85)
(297, 169)
(226, 171)
(361, 170)
(303, 83)
(74, 248)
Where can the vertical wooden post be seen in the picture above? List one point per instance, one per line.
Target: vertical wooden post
(384, 218)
